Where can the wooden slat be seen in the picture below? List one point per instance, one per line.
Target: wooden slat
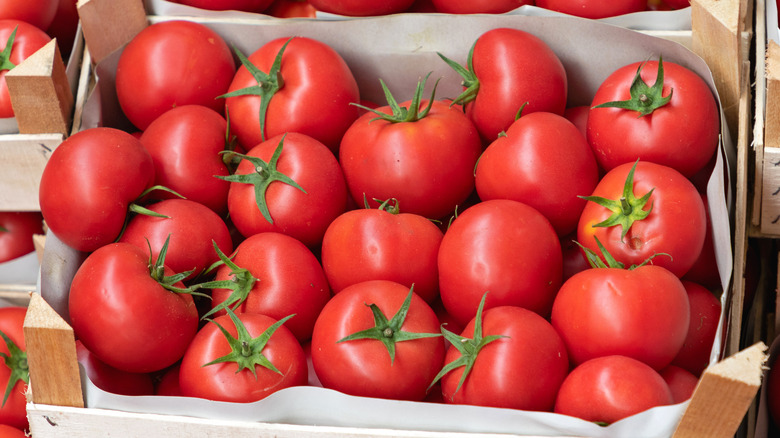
(109, 24)
(22, 159)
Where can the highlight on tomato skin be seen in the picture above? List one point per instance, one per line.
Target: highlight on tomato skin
(17, 229)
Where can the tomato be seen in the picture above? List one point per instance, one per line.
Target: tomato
(420, 152)
(170, 64)
(186, 143)
(705, 270)
(694, 356)
(7, 431)
(123, 308)
(514, 360)
(25, 40)
(663, 216)
(290, 184)
(574, 259)
(38, 13)
(291, 9)
(676, 4)
(88, 184)
(276, 275)
(508, 68)
(64, 26)
(544, 161)
(168, 383)
(16, 233)
(674, 122)
(307, 88)
(579, 116)
(642, 313)
(362, 8)
(593, 9)
(14, 374)
(377, 339)
(502, 246)
(681, 382)
(422, 6)
(110, 379)
(610, 388)
(242, 358)
(227, 5)
(479, 6)
(190, 226)
(383, 244)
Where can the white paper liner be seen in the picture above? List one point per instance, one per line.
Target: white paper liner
(21, 270)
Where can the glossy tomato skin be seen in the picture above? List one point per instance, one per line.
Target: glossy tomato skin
(17, 239)
(427, 165)
(290, 281)
(579, 116)
(124, 317)
(705, 270)
(110, 379)
(676, 226)
(222, 382)
(647, 310)
(543, 161)
(7, 431)
(681, 382)
(28, 40)
(374, 244)
(682, 134)
(302, 215)
(197, 62)
(168, 382)
(694, 356)
(14, 412)
(316, 99)
(291, 9)
(362, 8)
(363, 367)
(191, 228)
(594, 10)
(478, 6)
(610, 388)
(38, 13)
(514, 67)
(227, 5)
(88, 184)
(185, 143)
(502, 246)
(522, 371)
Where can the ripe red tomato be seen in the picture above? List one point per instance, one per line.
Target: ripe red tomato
(197, 64)
(383, 244)
(502, 246)
(676, 4)
(307, 88)
(227, 5)
(574, 259)
(362, 8)
(610, 388)
(124, 315)
(168, 383)
(478, 6)
(7, 431)
(674, 122)
(663, 217)
(242, 358)
(185, 143)
(38, 13)
(391, 360)
(544, 161)
(276, 275)
(14, 374)
(88, 184)
(694, 356)
(579, 116)
(291, 9)
(506, 69)
(681, 382)
(110, 379)
(291, 184)
(27, 39)
(64, 26)
(705, 270)
(593, 9)
(16, 233)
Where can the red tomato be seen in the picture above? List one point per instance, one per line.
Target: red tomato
(610, 388)
(27, 39)
(227, 5)
(479, 6)
(276, 275)
(544, 161)
(506, 69)
(16, 233)
(391, 360)
(502, 246)
(383, 244)
(670, 225)
(64, 26)
(291, 184)
(13, 371)
(681, 133)
(423, 157)
(7, 431)
(185, 143)
(110, 379)
(574, 259)
(681, 382)
(197, 62)
(168, 383)
(422, 6)
(191, 228)
(225, 361)
(522, 367)
(124, 315)
(676, 4)
(362, 8)
(308, 89)
(88, 184)
(642, 313)
(593, 9)
(705, 270)
(38, 13)
(694, 356)
(579, 116)
(291, 9)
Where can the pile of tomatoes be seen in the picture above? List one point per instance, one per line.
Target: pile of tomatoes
(495, 249)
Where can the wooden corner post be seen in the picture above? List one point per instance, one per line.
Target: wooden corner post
(108, 25)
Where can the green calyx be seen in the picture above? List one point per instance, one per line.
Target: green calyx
(644, 99)
(388, 205)
(241, 283)
(469, 347)
(470, 81)
(609, 261)
(157, 272)
(5, 55)
(389, 332)
(228, 154)
(268, 84)
(246, 351)
(262, 177)
(16, 361)
(403, 114)
(625, 210)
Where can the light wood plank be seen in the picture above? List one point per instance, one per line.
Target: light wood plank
(110, 24)
(22, 159)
